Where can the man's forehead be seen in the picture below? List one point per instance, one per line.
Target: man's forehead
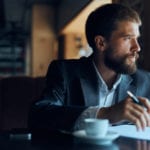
(127, 27)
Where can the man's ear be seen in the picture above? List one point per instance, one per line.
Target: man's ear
(100, 42)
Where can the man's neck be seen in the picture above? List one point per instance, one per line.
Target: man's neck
(108, 75)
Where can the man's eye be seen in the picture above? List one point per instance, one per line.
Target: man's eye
(127, 38)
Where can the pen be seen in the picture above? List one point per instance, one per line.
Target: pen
(134, 98)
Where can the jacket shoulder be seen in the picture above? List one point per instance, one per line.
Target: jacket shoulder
(142, 76)
(69, 63)
(142, 73)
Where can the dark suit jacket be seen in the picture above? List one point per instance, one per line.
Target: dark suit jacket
(72, 86)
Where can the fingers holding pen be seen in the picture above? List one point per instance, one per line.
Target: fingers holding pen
(138, 115)
(145, 110)
(127, 109)
(141, 109)
(134, 113)
(145, 102)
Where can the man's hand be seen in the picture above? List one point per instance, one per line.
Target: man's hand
(129, 111)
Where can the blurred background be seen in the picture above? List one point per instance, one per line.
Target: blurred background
(35, 32)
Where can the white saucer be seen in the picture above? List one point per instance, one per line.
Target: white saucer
(110, 136)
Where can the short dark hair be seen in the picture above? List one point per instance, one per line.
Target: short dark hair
(104, 20)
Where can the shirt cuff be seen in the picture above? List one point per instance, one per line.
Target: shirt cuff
(90, 112)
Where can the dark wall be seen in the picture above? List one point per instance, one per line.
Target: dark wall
(2, 15)
(67, 10)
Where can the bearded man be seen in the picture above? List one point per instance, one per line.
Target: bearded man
(96, 87)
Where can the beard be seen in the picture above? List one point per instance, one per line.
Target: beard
(120, 64)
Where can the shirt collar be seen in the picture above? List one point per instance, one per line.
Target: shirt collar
(103, 83)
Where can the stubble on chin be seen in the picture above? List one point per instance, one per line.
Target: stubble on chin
(121, 65)
(131, 63)
(128, 66)
(131, 68)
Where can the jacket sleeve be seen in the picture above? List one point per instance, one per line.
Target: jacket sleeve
(52, 111)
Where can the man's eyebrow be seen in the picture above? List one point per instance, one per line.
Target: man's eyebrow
(131, 35)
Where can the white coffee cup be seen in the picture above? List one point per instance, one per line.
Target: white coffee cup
(96, 127)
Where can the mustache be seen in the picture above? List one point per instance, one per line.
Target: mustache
(135, 54)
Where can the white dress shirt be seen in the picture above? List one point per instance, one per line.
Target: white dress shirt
(107, 97)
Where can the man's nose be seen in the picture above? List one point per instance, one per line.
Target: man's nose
(136, 46)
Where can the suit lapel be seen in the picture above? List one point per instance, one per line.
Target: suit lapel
(89, 83)
(126, 84)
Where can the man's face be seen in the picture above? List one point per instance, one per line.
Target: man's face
(122, 49)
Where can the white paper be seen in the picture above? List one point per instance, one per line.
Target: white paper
(131, 131)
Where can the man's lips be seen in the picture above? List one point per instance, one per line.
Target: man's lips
(134, 57)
